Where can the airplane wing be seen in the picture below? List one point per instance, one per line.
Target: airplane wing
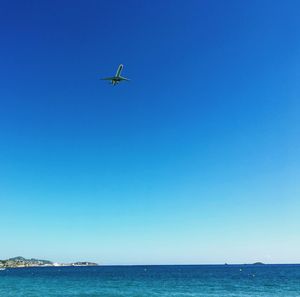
(124, 78)
(107, 78)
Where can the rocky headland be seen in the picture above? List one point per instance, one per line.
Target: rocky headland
(17, 262)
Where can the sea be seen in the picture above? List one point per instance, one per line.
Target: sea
(148, 281)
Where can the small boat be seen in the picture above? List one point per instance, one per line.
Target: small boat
(2, 269)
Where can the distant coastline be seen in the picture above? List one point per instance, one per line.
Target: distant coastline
(21, 262)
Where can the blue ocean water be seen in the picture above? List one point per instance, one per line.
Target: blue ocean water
(139, 281)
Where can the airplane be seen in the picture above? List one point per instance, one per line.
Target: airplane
(117, 78)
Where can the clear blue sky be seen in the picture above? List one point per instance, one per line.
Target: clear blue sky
(196, 160)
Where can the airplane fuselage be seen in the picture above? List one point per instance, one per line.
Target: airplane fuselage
(120, 68)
